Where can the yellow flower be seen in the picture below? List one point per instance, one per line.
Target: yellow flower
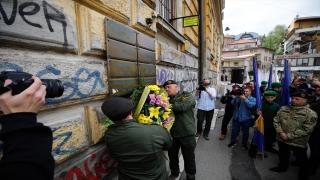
(165, 115)
(154, 112)
(154, 88)
(144, 119)
(169, 108)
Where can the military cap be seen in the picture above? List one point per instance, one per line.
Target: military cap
(263, 85)
(264, 82)
(300, 94)
(270, 93)
(169, 82)
(276, 84)
(117, 108)
(235, 86)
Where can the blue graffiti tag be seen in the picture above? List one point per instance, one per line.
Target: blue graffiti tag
(164, 75)
(11, 66)
(58, 150)
(47, 70)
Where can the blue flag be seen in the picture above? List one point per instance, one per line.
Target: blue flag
(256, 83)
(285, 93)
(270, 78)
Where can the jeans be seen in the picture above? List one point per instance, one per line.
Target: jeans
(236, 129)
(200, 116)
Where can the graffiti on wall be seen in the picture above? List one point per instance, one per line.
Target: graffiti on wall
(93, 168)
(72, 87)
(30, 12)
(164, 74)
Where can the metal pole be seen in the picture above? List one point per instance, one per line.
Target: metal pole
(200, 43)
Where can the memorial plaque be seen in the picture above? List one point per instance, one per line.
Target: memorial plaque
(146, 42)
(119, 68)
(147, 70)
(150, 81)
(122, 86)
(146, 56)
(120, 32)
(119, 50)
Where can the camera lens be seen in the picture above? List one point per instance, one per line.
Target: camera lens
(54, 87)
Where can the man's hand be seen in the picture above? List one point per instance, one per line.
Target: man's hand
(233, 96)
(284, 136)
(242, 97)
(29, 100)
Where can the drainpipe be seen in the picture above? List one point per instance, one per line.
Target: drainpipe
(200, 42)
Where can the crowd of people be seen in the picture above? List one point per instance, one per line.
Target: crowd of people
(138, 148)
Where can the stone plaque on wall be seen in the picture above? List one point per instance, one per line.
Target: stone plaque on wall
(119, 50)
(120, 32)
(122, 86)
(147, 70)
(146, 56)
(145, 42)
(150, 81)
(119, 68)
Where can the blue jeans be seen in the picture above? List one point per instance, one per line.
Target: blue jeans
(236, 129)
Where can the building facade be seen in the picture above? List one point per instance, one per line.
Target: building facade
(101, 49)
(302, 47)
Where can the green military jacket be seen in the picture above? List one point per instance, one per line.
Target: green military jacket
(183, 105)
(297, 122)
(138, 148)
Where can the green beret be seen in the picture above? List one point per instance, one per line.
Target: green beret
(264, 82)
(300, 94)
(270, 93)
(276, 84)
(169, 82)
(117, 108)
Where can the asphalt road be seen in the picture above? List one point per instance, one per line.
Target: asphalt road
(215, 161)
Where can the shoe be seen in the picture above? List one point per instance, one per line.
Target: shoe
(294, 163)
(237, 138)
(245, 146)
(198, 135)
(222, 137)
(232, 144)
(206, 137)
(272, 150)
(277, 170)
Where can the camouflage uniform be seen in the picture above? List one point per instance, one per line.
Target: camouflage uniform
(297, 122)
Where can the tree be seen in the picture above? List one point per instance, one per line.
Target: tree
(274, 39)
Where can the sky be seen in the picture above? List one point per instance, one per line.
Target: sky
(261, 16)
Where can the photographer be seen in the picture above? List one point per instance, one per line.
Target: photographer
(243, 104)
(205, 96)
(27, 144)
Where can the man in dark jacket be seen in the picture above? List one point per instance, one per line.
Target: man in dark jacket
(276, 87)
(27, 144)
(138, 148)
(314, 141)
(183, 130)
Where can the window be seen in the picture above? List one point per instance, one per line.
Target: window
(305, 62)
(236, 63)
(265, 58)
(247, 46)
(251, 51)
(235, 47)
(311, 61)
(294, 62)
(317, 62)
(280, 62)
(165, 9)
(299, 62)
(255, 50)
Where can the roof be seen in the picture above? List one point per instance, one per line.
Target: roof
(253, 34)
(243, 41)
(308, 18)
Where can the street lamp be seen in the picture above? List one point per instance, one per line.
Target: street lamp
(227, 28)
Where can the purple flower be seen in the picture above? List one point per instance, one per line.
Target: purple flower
(152, 99)
(159, 100)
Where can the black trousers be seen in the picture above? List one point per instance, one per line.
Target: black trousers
(200, 116)
(301, 155)
(314, 143)
(187, 145)
(270, 137)
(225, 121)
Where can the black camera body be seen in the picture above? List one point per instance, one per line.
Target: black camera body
(237, 92)
(23, 80)
(202, 87)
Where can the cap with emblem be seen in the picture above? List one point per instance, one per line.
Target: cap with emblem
(117, 108)
(276, 84)
(300, 94)
(270, 93)
(169, 82)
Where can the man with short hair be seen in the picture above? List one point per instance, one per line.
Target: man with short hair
(294, 124)
(242, 116)
(138, 148)
(205, 98)
(277, 87)
(183, 130)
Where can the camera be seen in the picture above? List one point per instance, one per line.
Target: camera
(201, 87)
(237, 92)
(23, 80)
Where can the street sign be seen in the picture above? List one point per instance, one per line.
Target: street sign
(287, 56)
(190, 21)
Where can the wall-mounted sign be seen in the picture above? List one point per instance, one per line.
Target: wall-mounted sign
(122, 86)
(146, 56)
(120, 32)
(119, 68)
(145, 42)
(287, 56)
(119, 50)
(147, 70)
(191, 21)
